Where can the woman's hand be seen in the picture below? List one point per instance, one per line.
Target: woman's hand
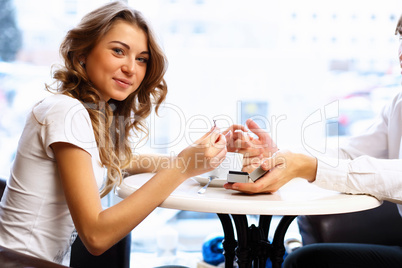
(253, 149)
(283, 166)
(203, 155)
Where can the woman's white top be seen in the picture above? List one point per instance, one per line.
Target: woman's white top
(369, 163)
(34, 217)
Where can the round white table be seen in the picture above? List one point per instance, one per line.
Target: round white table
(252, 248)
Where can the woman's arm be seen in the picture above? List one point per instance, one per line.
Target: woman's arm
(149, 163)
(100, 229)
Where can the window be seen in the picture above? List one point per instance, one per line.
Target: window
(71, 7)
(279, 61)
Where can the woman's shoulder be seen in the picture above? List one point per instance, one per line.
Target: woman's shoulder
(57, 104)
(59, 99)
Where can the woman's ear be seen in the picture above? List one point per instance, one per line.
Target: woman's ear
(82, 60)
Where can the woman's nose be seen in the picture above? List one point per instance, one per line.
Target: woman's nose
(129, 67)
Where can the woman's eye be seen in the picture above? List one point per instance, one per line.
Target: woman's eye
(118, 51)
(143, 60)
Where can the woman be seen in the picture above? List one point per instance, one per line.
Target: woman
(113, 72)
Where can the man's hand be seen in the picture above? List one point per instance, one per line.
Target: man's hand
(283, 166)
(253, 149)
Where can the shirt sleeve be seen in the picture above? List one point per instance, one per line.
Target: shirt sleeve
(380, 178)
(364, 164)
(373, 142)
(68, 121)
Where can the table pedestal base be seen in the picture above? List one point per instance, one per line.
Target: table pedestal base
(252, 248)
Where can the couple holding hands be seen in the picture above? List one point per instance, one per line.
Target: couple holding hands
(74, 148)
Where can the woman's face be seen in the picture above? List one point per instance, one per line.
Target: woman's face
(116, 65)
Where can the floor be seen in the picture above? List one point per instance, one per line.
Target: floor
(180, 240)
(150, 260)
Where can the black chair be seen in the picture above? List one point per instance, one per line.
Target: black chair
(381, 225)
(118, 256)
(12, 259)
(3, 183)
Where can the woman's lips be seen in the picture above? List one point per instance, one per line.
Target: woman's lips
(124, 83)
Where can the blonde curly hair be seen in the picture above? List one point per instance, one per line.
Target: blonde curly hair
(112, 121)
(398, 29)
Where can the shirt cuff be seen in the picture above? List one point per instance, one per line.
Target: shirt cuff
(332, 174)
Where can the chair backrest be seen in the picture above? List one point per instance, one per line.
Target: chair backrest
(3, 183)
(117, 256)
(382, 225)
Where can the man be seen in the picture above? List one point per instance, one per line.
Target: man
(370, 163)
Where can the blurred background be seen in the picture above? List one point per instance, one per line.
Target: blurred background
(310, 72)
